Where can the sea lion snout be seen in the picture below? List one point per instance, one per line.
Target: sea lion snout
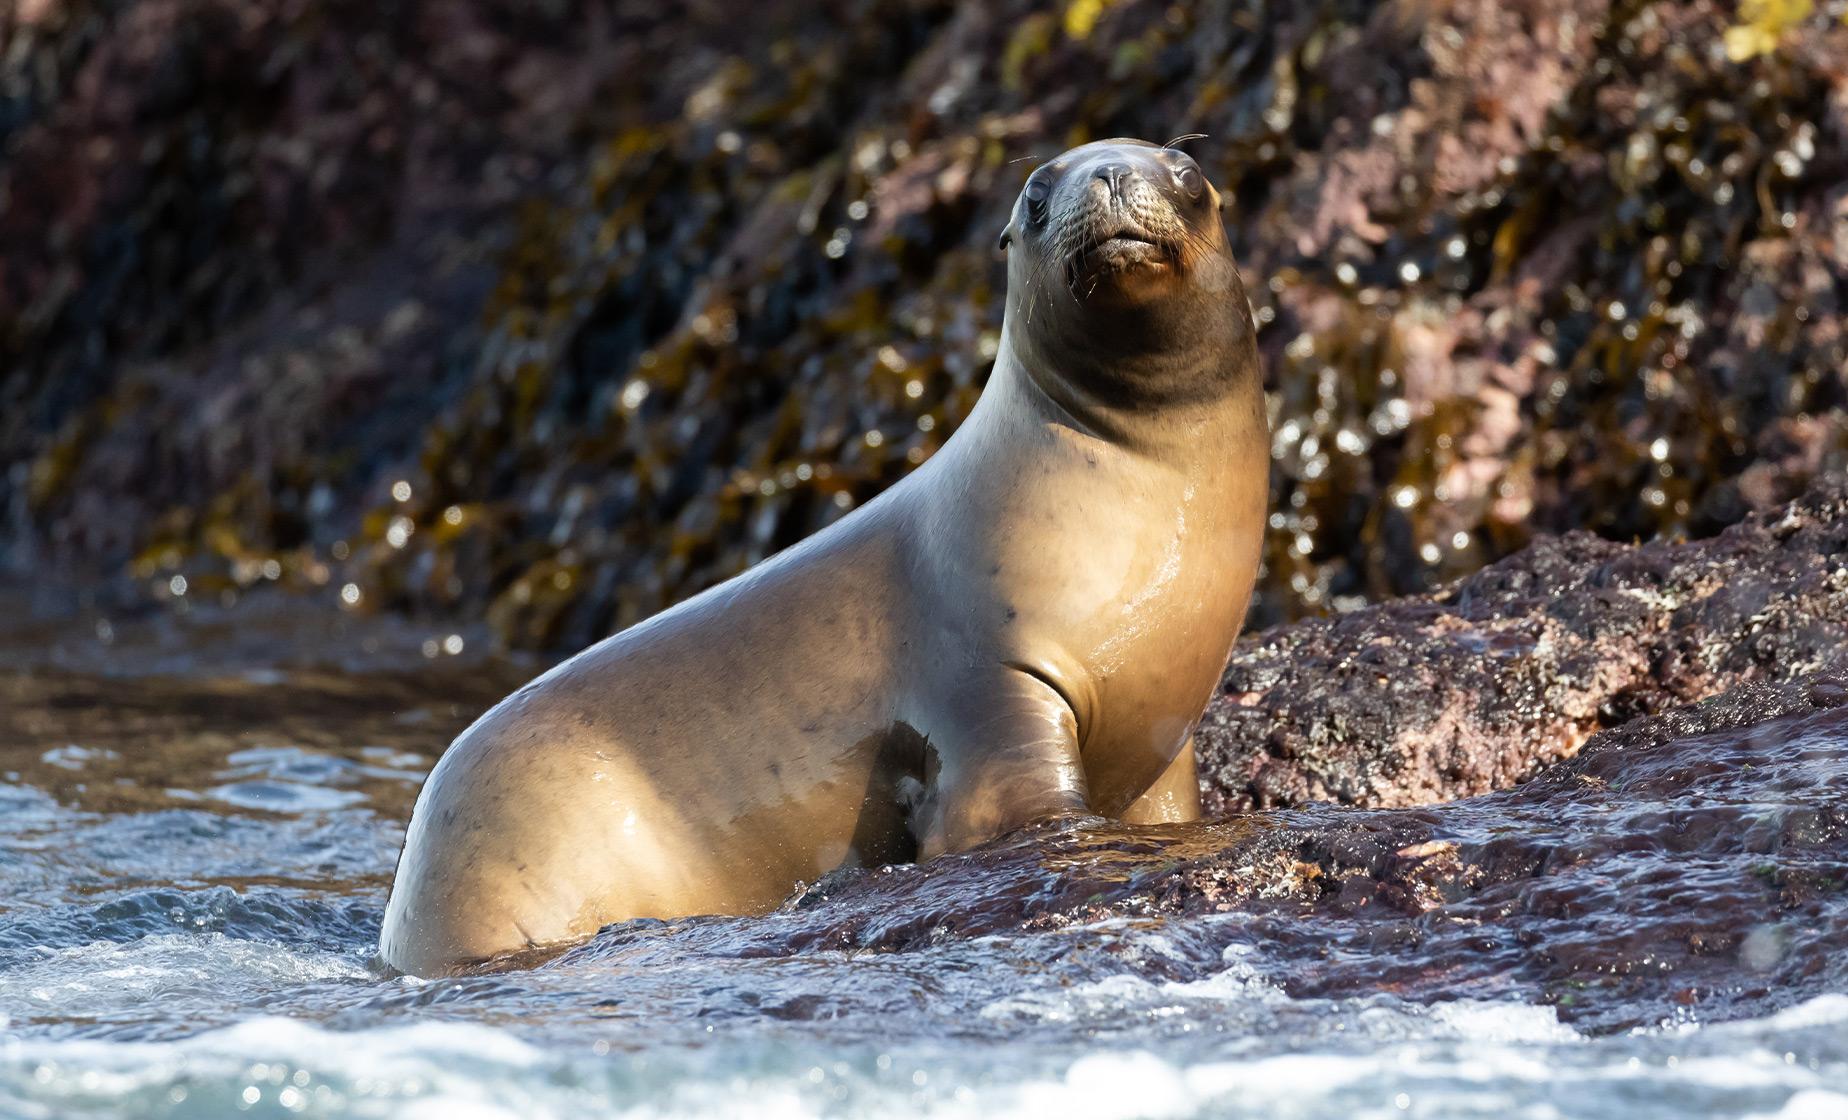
(1115, 173)
(1120, 220)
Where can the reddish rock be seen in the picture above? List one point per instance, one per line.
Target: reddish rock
(1472, 689)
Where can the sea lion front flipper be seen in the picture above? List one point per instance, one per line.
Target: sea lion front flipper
(1175, 796)
(1005, 756)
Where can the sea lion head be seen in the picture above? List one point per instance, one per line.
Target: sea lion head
(1120, 278)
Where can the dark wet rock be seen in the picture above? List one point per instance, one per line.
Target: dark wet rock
(623, 329)
(1427, 699)
(1687, 866)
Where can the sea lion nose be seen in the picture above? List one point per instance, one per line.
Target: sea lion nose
(1114, 175)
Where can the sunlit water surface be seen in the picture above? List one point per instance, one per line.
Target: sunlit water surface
(193, 865)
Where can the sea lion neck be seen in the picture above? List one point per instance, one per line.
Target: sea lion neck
(1182, 353)
(1180, 407)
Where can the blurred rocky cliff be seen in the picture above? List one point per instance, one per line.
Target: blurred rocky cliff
(561, 312)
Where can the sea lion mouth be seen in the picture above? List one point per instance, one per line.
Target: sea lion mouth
(1120, 250)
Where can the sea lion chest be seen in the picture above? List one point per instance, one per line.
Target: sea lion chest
(1118, 578)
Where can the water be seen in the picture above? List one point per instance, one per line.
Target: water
(194, 854)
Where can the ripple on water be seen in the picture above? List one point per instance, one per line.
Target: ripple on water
(70, 855)
(258, 915)
(74, 757)
(290, 779)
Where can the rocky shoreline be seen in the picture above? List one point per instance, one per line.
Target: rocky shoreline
(1429, 698)
(1688, 862)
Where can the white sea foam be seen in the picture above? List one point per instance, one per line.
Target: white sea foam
(1122, 1046)
(441, 1070)
(1810, 1104)
(1823, 1010)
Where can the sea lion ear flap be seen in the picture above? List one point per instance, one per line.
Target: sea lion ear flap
(1006, 238)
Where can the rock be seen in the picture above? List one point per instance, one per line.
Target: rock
(1430, 698)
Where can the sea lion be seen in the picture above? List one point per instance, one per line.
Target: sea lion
(1027, 626)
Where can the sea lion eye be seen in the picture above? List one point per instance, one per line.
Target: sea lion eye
(1190, 179)
(1037, 192)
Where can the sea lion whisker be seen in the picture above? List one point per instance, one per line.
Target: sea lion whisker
(1035, 281)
